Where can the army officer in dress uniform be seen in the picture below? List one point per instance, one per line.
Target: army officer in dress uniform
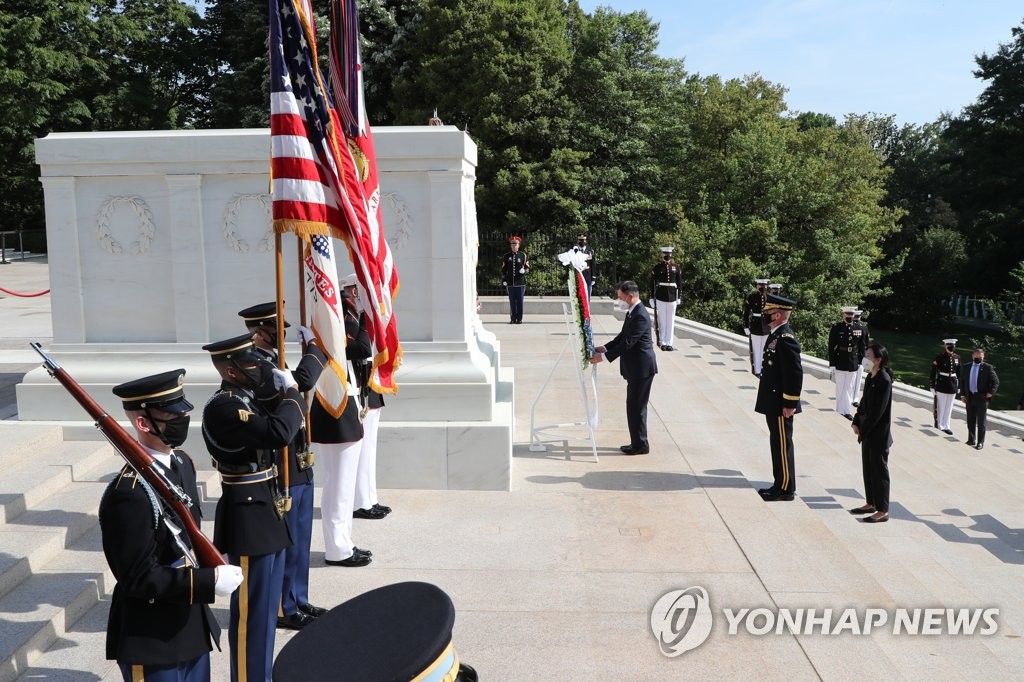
(514, 267)
(665, 283)
(590, 272)
(778, 396)
(244, 438)
(261, 321)
(945, 385)
(160, 625)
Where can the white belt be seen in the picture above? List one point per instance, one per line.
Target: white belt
(946, 374)
(667, 284)
(755, 314)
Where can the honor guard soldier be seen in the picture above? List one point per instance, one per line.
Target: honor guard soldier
(775, 288)
(243, 437)
(396, 632)
(514, 267)
(778, 396)
(945, 385)
(339, 440)
(865, 364)
(261, 321)
(366, 503)
(752, 324)
(844, 354)
(160, 625)
(665, 283)
(590, 272)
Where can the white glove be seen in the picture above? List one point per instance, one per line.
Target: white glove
(504, 284)
(306, 334)
(284, 380)
(831, 373)
(934, 392)
(746, 331)
(228, 578)
(522, 271)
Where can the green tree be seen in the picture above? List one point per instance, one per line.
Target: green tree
(235, 39)
(985, 169)
(48, 62)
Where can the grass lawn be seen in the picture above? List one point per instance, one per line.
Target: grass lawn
(911, 358)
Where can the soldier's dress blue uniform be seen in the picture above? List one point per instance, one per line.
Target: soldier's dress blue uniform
(779, 388)
(514, 267)
(296, 610)
(243, 438)
(160, 625)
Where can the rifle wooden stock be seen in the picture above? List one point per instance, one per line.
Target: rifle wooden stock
(139, 459)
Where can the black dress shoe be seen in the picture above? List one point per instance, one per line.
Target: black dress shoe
(370, 513)
(365, 552)
(643, 450)
(296, 621)
(859, 510)
(766, 491)
(979, 446)
(625, 448)
(849, 416)
(381, 507)
(855, 404)
(669, 348)
(970, 441)
(353, 561)
(948, 432)
(778, 497)
(310, 610)
(872, 519)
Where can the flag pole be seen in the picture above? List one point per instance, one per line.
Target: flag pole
(300, 246)
(279, 263)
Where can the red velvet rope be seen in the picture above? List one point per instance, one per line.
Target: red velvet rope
(15, 293)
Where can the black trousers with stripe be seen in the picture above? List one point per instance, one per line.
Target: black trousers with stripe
(780, 430)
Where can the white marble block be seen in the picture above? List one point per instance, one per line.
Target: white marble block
(157, 239)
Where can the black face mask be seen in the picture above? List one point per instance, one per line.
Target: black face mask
(949, 349)
(667, 256)
(582, 242)
(259, 375)
(977, 361)
(173, 431)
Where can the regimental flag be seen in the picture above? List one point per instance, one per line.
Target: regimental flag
(371, 255)
(327, 321)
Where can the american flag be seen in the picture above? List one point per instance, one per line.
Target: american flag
(328, 321)
(325, 182)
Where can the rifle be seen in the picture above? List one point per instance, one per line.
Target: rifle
(141, 461)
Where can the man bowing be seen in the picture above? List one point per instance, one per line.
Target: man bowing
(638, 365)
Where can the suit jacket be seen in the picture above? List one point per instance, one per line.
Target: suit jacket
(874, 414)
(633, 345)
(158, 613)
(782, 374)
(988, 380)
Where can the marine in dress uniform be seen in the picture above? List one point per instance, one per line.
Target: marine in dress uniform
(778, 396)
(590, 272)
(514, 267)
(752, 323)
(244, 437)
(160, 626)
(367, 504)
(666, 281)
(339, 442)
(865, 364)
(296, 611)
(945, 384)
(844, 356)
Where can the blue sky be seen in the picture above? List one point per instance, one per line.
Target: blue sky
(911, 58)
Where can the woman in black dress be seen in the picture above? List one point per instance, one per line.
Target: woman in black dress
(873, 427)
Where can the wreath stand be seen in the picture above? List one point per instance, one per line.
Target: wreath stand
(537, 433)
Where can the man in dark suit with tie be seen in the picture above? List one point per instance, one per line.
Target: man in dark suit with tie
(638, 366)
(980, 382)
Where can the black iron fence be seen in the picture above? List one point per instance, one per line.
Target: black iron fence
(974, 308)
(547, 276)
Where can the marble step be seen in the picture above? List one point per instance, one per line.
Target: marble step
(31, 480)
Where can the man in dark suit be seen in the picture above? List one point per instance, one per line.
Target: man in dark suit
(980, 382)
(778, 395)
(638, 365)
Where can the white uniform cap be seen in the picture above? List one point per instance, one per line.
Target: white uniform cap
(952, 341)
(849, 309)
(858, 312)
(667, 249)
(774, 285)
(348, 281)
(761, 281)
